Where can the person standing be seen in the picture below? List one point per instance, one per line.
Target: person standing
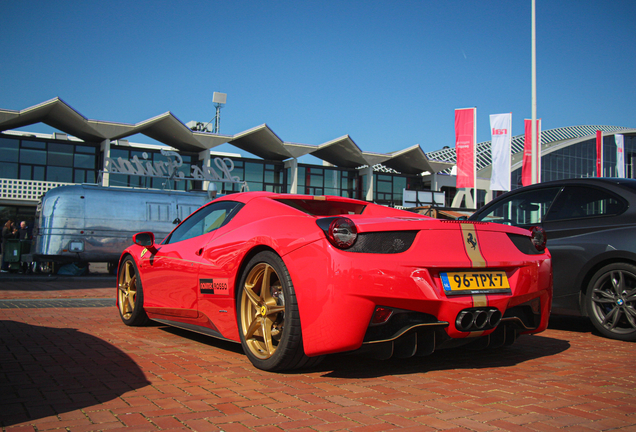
(23, 232)
(9, 231)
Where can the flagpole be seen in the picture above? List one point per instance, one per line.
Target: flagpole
(533, 132)
(475, 158)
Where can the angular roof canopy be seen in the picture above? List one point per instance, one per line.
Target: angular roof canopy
(341, 152)
(260, 141)
(54, 113)
(165, 128)
(413, 160)
(298, 150)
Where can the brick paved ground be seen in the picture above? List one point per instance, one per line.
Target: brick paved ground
(80, 369)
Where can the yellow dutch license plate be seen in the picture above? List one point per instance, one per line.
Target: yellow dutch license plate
(473, 282)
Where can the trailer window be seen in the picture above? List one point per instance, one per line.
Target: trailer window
(204, 221)
(157, 212)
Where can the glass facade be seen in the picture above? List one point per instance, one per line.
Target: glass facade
(350, 183)
(319, 180)
(579, 160)
(259, 175)
(47, 160)
(66, 161)
(155, 159)
(389, 187)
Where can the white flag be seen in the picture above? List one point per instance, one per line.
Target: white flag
(500, 128)
(620, 156)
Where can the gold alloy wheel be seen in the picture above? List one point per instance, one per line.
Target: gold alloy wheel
(262, 311)
(127, 290)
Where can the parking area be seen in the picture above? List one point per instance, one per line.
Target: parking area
(68, 363)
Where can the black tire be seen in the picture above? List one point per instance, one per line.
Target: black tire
(130, 294)
(611, 301)
(268, 318)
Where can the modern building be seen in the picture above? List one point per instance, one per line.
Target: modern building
(567, 152)
(98, 151)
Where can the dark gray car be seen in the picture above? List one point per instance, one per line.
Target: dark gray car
(591, 231)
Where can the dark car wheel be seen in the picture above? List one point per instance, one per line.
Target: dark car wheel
(611, 301)
(268, 318)
(130, 295)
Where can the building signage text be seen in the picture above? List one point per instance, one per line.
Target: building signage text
(148, 168)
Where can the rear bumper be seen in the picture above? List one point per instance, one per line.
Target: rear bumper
(338, 293)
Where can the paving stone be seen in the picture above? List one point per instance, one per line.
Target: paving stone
(67, 362)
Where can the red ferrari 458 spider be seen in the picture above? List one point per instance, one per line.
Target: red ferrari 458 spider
(295, 277)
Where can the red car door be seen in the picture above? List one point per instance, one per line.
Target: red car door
(171, 276)
(171, 282)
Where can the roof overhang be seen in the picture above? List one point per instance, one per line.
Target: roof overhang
(298, 150)
(169, 130)
(165, 128)
(342, 152)
(262, 142)
(55, 113)
(414, 161)
(375, 158)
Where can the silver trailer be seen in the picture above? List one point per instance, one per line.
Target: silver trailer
(89, 223)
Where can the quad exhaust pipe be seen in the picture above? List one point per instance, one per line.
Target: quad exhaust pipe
(477, 319)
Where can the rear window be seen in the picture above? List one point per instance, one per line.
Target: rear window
(582, 201)
(318, 207)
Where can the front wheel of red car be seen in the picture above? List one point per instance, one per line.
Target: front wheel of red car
(268, 318)
(130, 294)
(611, 301)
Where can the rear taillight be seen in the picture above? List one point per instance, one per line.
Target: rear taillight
(342, 233)
(538, 237)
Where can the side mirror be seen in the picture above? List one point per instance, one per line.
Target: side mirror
(146, 239)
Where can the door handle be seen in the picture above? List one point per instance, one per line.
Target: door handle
(199, 252)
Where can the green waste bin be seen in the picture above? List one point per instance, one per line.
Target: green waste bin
(13, 251)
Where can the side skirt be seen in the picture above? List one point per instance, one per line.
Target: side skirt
(194, 328)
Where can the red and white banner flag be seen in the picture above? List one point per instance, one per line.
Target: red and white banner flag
(526, 168)
(465, 135)
(500, 129)
(620, 156)
(599, 153)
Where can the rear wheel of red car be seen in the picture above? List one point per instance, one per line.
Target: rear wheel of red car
(268, 318)
(130, 295)
(611, 301)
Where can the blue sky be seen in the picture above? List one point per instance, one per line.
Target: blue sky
(387, 72)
